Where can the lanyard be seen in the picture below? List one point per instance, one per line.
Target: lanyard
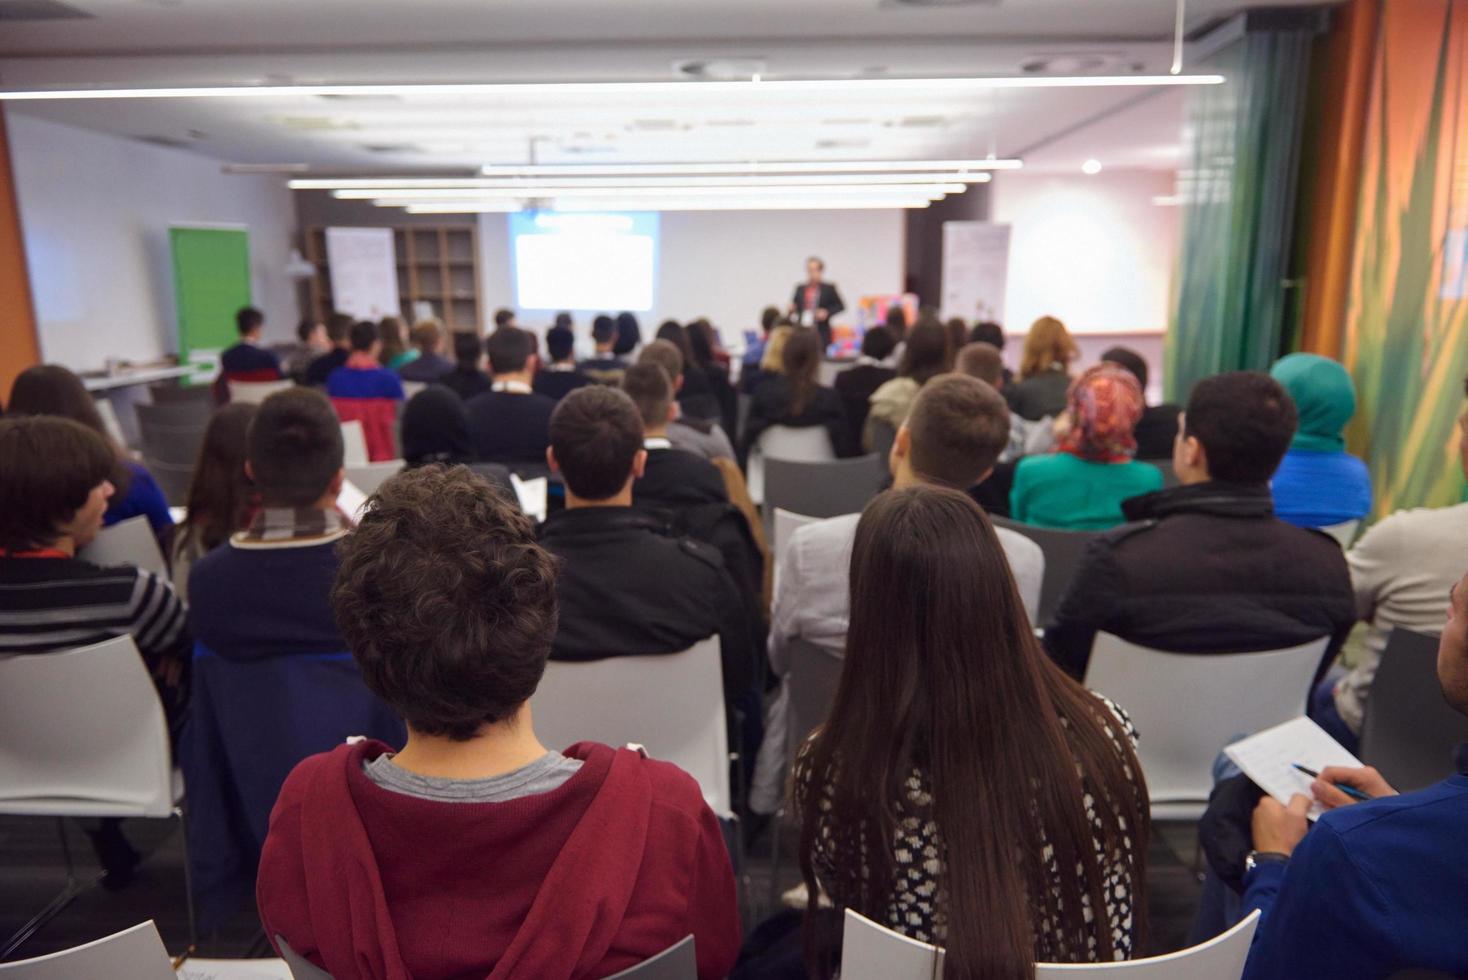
(38, 553)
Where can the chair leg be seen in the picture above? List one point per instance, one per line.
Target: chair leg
(183, 827)
(70, 891)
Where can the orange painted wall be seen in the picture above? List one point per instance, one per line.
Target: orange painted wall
(18, 345)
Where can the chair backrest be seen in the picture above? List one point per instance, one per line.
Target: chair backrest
(884, 434)
(1063, 551)
(133, 954)
(814, 674)
(1410, 731)
(373, 475)
(806, 444)
(182, 414)
(1169, 475)
(110, 422)
(678, 962)
(354, 444)
(173, 479)
(670, 704)
(870, 951)
(411, 388)
(1190, 705)
(300, 967)
(1344, 532)
(172, 393)
(82, 733)
(499, 475)
(824, 489)
(129, 542)
(255, 392)
(786, 524)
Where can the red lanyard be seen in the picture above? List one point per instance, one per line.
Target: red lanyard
(38, 553)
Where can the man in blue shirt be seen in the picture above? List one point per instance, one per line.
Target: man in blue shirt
(1375, 887)
(246, 360)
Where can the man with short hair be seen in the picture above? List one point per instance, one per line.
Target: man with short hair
(604, 367)
(1205, 567)
(246, 360)
(510, 423)
(816, 301)
(952, 437)
(989, 332)
(983, 360)
(629, 587)
(430, 365)
(503, 318)
(1157, 427)
(672, 478)
(703, 437)
(339, 334)
(858, 383)
(311, 343)
(362, 390)
(560, 377)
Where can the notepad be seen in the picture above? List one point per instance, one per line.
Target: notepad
(1268, 758)
(352, 502)
(194, 969)
(532, 495)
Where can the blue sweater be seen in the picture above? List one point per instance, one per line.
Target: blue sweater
(143, 497)
(1373, 888)
(250, 603)
(350, 382)
(1314, 489)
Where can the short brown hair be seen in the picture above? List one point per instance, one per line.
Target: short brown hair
(666, 355)
(651, 391)
(981, 360)
(509, 350)
(595, 433)
(446, 601)
(48, 467)
(958, 426)
(427, 334)
(294, 447)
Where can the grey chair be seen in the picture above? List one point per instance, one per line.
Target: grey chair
(300, 967)
(172, 433)
(1063, 551)
(884, 434)
(678, 962)
(166, 393)
(1409, 732)
(172, 478)
(498, 475)
(825, 489)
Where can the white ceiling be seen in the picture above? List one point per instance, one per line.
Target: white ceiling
(242, 42)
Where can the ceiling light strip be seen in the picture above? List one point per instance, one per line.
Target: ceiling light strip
(734, 167)
(676, 204)
(563, 190)
(567, 180)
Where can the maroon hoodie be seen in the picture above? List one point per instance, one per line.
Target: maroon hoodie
(618, 863)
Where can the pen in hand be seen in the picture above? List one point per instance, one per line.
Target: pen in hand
(1350, 791)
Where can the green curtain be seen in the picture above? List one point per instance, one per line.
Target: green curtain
(1239, 193)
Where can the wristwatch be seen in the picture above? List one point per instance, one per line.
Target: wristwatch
(1253, 859)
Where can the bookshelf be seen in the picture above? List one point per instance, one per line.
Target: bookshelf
(436, 264)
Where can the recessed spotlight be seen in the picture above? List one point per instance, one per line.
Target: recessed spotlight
(1091, 167)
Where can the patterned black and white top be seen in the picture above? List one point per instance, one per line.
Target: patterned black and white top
(916, 907)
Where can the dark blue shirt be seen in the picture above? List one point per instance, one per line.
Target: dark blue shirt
(350, 382)
(143, 497)
(246, 358)
(248, 603)
(1372, 889)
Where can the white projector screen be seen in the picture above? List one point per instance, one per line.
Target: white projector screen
(584, 262)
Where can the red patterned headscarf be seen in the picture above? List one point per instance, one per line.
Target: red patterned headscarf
(1105, 404)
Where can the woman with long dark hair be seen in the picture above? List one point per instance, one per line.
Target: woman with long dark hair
(927, 353)
(703, 341)
(795, 397)
(695, 398)
(222, 497)
(965, 791)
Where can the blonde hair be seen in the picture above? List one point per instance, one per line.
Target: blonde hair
(773, 361)
(1047, 344)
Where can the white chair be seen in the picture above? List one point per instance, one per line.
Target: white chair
(110, 421)
(255, 392)
(807, 444)
(82, 734)
(354, 444)
(678, 962)
(373, 475)
(129, 542)
(411, 388)
(786, 524)
(672, 705)
(1187, 707)
(133, 954)
(1344, 532)
(873, 952)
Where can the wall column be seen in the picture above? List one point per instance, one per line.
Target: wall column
(19, 348)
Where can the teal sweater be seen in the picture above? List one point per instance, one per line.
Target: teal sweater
(1064, 491)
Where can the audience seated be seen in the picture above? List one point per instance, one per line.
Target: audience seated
(222, 498)
(1206, 567)
(1043, 849)
(925, 355)
(702, 436)
(672, 478)
(709, 357)
(1373, 888)
(395, 352)
(629, 335)
(858, 383)
(771, 362)
(896, 323)
(769, 318)
(1044, 371)
(1081, 486)
(560, 377)
(436, 429)
(989, 332)
(952, 437)
(1157, 427)
(982, 360)
(629, 586)
(510, 423)
(796, 398)
(1318, 483)
(695, 396)
(430, 365)
(311, 343)
(476, 850)
(604, 367)
(247, 360)
(362, 390)
(50, 389)
(467, 379)
(339, 333)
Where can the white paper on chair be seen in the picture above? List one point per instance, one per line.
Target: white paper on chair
(234, 970)
(532, 495)
(351, 501)
(1269, 758)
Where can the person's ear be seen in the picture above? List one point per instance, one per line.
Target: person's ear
(984, 476)
(672, 411)
(550, 460)
(901, 447)
(249, 471)
(639, 464)
(678, 385)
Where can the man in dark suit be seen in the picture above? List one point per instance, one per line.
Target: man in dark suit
(816, 301)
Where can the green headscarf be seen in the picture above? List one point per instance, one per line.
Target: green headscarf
(1324, 396)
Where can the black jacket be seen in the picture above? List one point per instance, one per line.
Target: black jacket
(828, 299)
(629, 586)
(559, 384)
(677, 478)
(1155, 432)
(770, 405)
(510, 428)
(1039, 395)
(855, 386)
(1205, 568)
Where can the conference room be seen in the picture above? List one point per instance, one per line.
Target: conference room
(671, 489)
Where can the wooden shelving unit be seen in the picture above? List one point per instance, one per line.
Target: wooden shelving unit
(437, 264)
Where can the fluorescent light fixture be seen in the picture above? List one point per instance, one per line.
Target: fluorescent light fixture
(745, 167)
(381, 184)
(683, 204)
(1091, 167)
(563, 190)
(844, 86)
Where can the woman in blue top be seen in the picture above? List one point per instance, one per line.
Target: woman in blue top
(1319, 484)
(50, 389)
(1081, 487)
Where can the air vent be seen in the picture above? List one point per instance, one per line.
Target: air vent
(349, 97)
(655, 125)
(33, 10)
(392, 148)
(922, 122)
(721, 69)
(172, 142)
(1075, 63)
(842, 144)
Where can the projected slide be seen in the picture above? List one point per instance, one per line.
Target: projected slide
(568, 261)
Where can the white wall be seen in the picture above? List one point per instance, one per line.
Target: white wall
(95, 212)
(728, 265)
(1093, 251)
